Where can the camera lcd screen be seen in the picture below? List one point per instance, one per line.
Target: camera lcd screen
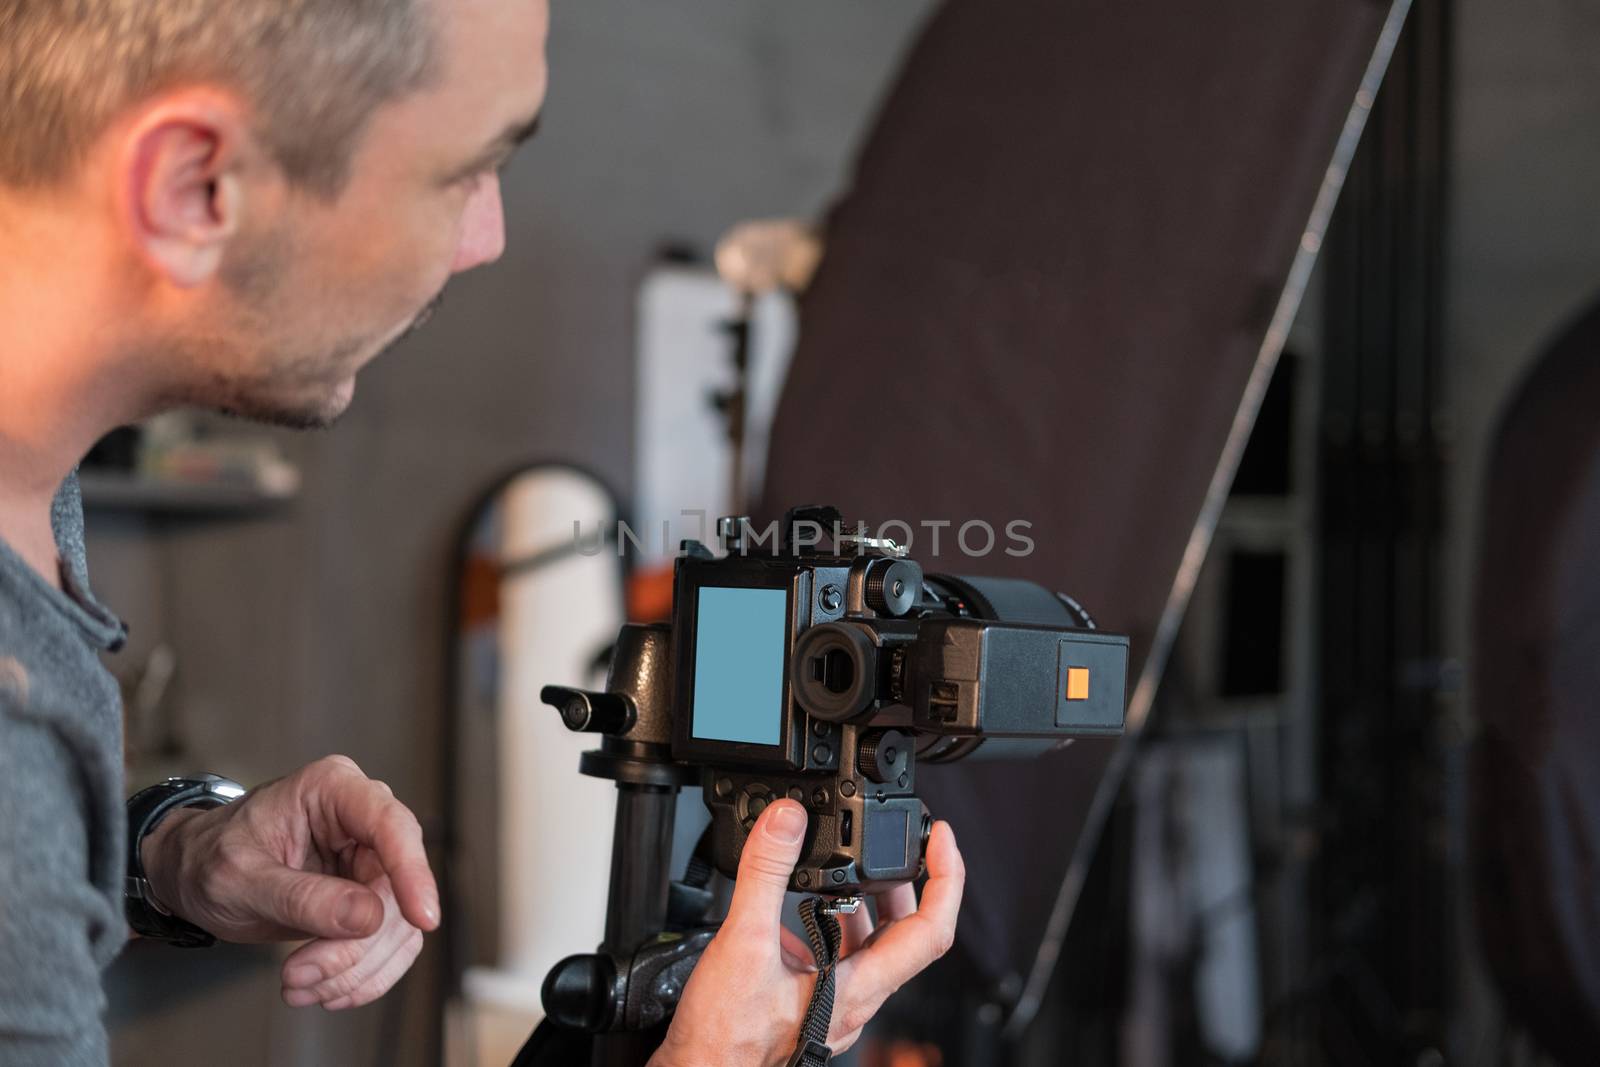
(739, 644)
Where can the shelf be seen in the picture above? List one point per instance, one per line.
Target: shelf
(127, 493)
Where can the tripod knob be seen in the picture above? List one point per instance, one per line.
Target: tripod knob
(580, 992)
(584, 712)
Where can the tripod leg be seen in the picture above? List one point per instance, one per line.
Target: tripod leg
(636, 910)
(641, 856)
(554, 1046)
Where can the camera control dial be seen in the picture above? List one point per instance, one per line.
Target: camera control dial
(884, 756)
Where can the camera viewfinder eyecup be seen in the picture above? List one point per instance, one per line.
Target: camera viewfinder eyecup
(834, 671)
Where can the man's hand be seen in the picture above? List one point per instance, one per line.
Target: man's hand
(745, 1001)
(326, 854)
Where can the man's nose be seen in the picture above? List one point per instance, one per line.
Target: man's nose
(483, 227)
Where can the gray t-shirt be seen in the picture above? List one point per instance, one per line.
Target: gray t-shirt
(62, 821)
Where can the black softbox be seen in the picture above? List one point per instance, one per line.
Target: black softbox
(1055, 293)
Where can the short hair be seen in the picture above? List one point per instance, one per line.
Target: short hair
(313, 71)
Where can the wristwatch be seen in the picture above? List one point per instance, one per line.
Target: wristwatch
(146, 809)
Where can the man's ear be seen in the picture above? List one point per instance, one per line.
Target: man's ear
(186, 161)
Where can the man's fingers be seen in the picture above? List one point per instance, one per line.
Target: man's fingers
(897, 903)
(860, 930)
(325, 969)
(369, 814)
(390, 973)
(317, 960)
(316, 905)
(796, 950)
(769, 857)
(902, 950)
(856, 928)
(376, 954)
(844, 1042)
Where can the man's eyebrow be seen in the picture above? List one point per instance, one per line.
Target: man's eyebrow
(501, 148)
(518, 133)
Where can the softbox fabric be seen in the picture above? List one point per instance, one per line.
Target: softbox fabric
(1536, 691)
(1041, 301)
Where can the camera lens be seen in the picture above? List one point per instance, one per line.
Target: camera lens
(834, 671)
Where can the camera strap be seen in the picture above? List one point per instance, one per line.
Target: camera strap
(827, 938)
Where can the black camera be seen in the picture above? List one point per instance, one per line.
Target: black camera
(825, 668)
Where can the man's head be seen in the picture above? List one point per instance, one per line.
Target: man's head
(272, 191)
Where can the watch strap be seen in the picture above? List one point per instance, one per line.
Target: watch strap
(146, 810)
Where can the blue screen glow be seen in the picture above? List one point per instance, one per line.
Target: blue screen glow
(738, 665)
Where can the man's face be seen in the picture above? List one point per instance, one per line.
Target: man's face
(314, 289)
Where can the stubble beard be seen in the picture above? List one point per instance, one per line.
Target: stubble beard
(310, 391)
